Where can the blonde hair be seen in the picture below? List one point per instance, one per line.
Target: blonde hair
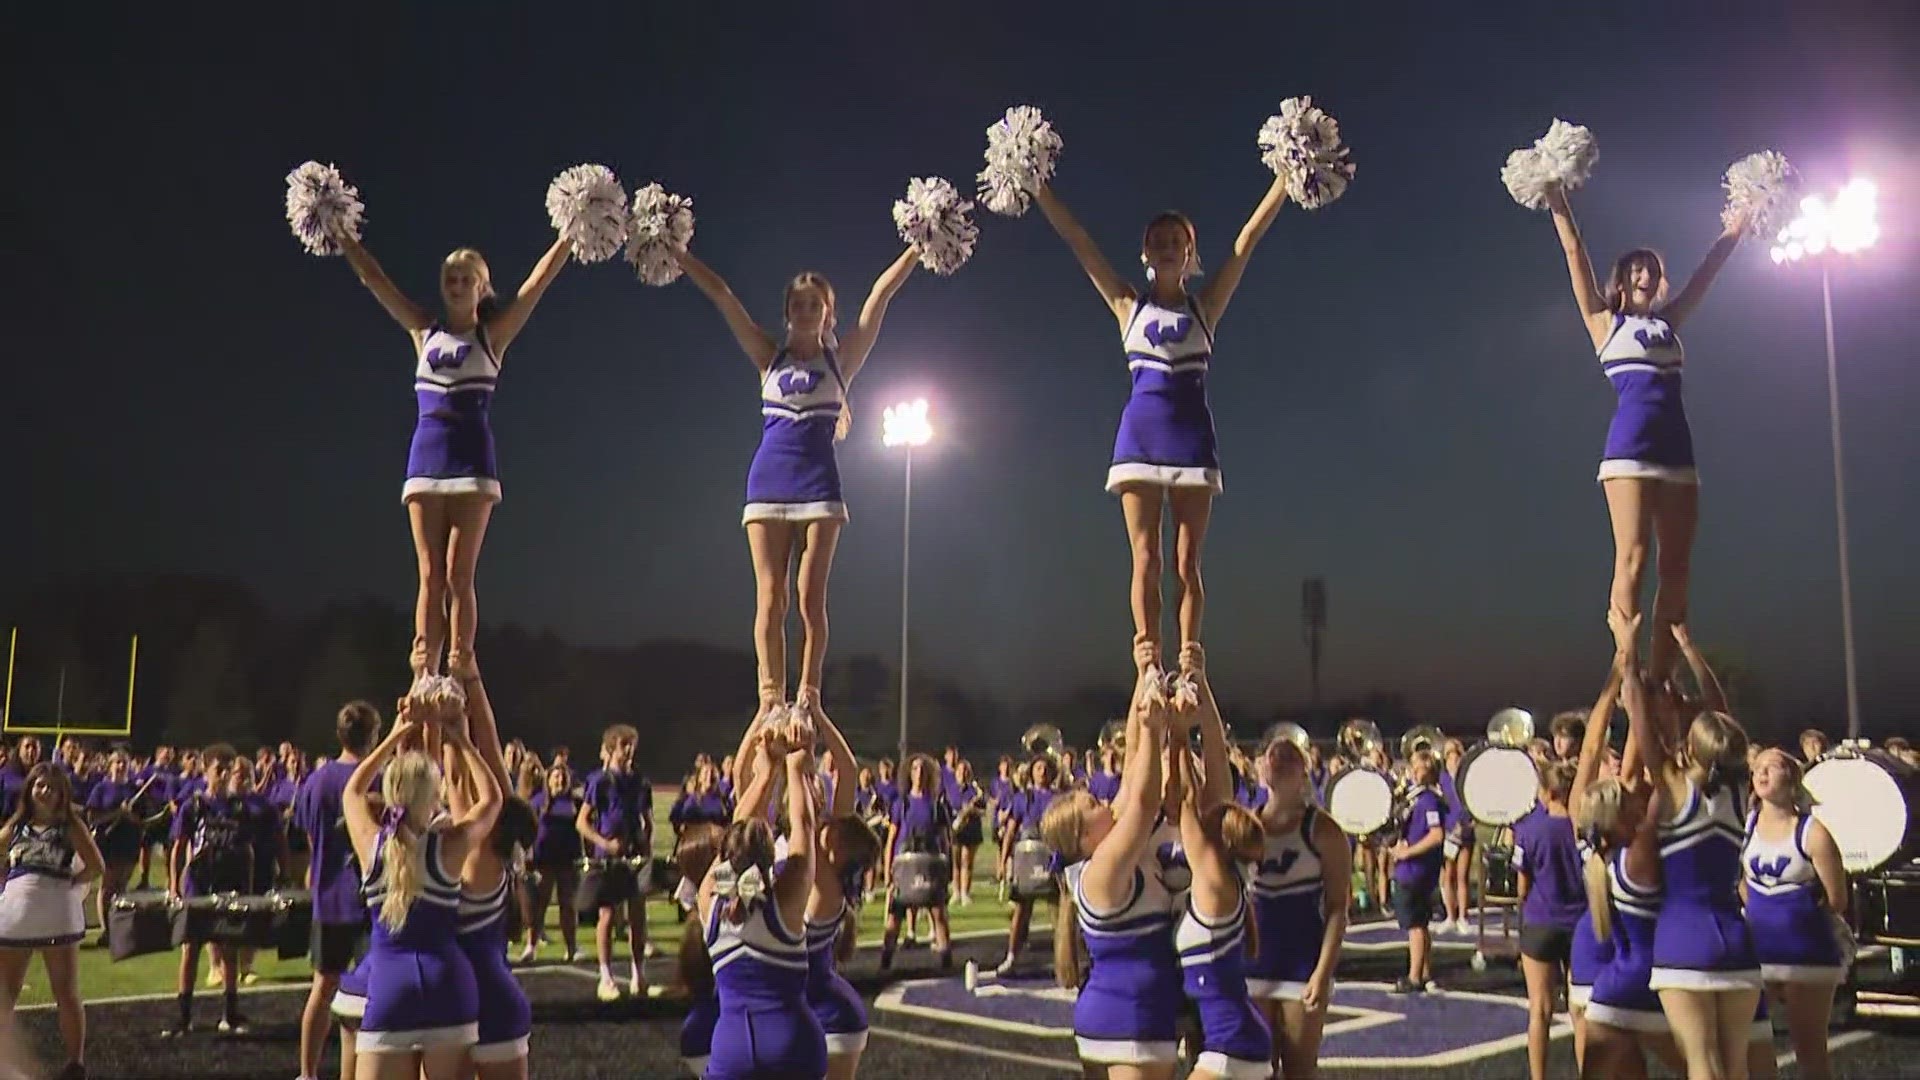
(1715, 745)
(1238, 831)
(1796, 776)
(412, 784)
(1596, 818)
(1423, 767)
(471, 259)
(809, 279)
(1060, 828)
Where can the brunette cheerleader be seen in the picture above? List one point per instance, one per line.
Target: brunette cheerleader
(1165, 451)
(50, 860)
(453, 479)
(794, 503)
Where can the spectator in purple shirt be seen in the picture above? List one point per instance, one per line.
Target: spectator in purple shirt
(117, 828)
(1553, 896)
(1416, 869)
(13, 778)
(616, 820)
(556, 858)
(1104, 782)
(885, 785)
(701, 802)
(339, 913)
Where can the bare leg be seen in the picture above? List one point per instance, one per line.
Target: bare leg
(1540, 983)
(771, 543)
(1296, 1038)
(349, 1057)
(1612, 1054)
(62, 963)
(569, 913)
(1673, 526)
(1419, 948)
(429, 518)
(1630, 506)
(816, 564)
(503, 1070)
(1809, 1008)
(1141, 505)
(1192, 509)
(469, 516)
(315, 1019)
(637, 943)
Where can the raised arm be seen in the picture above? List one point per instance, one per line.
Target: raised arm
(1110, 868)
(1712, 694)
(484, 730)
(795, 879)
(507, 323)
(753, 799)
(1594, 747)
(472, 826)
(755, 342)
(846, 769)
(1113, 288)
(859, 342)
(1586, 290)
(1680, 308)
(412, 318)
(1216, 781)
(356, 804)
(1220, 287)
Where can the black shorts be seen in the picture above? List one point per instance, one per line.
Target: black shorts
(1547, 944)
(1412, 907)
(333, 947)
(607, 885)
(970, 834)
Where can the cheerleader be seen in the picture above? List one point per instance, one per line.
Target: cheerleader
(506, 1020)
(1647, 470)
(1216, 934)
(1547, 860)
(1588, 954)
(969, 830)
(1704, 966)
(555, 858)
(41, 906)
(210, 854)
(922, 823)
(1125, 1018)
(453, 479)
(1300, 891)
(793, 486)
(754, 916)
(422, 1003)
(1164, 452)
(1795, 887)
(693, 853)
(333, 880)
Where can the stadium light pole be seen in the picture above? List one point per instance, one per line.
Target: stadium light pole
(1825, 229)
(905, 425)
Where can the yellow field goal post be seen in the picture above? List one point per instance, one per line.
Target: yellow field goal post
(59, 728)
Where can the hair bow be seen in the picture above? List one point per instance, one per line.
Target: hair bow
(747, 886)
(1056, 863)
(392, 817)
(1592, 837)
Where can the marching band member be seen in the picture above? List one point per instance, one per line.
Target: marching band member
(1417, 859)
(616, 819)
(1647, 473)
(1795, 889)
(1300, 891)
(1457, 872)
(453, 479)
(969, 804)
(1813, 745)
(210, 855)
(117, 829)
(922, 823)
(42, 906)
(794, 505)
(555, 857)
(1025, 821)
(1216, 934)
(422, 1001)
(1165, 450)
(340, 924)
(1553, 898)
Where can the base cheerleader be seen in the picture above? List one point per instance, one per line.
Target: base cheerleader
(844, 849)
(1112, 897)
(794, 503)
(422, 1002)
(453, 479)
(1165, 453)
(50, 859)
(1795, 885)
(1647, 470)
(1588, 954)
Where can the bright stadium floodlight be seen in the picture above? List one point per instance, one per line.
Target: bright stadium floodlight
(1847, 225)
(905, 425)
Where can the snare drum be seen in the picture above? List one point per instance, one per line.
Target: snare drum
(139, 923)
(292, 922)
(1870, 802)
(920, 879)
(1030, 872)
(605, 883)
(1498, 785)
(1360, 800)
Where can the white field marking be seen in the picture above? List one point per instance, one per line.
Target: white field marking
(1835, 1042)
(892, 1000)
(274, 988)
(1055, 1064)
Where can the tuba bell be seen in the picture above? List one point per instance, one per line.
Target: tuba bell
(1044, 740)
(1113, 736)
(1510, 727)
(1358, 738)
(1424, 737)
(1291, 732)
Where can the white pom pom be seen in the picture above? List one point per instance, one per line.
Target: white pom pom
(321, 207)
(588, 208)
(933, 217)
(1302, 145)
(660, 226)
(1561, 158)
(1760, 192)
(1022, 150)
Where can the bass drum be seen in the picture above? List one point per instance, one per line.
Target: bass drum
(1360, 800)
(1498, 785)
(1870, 802)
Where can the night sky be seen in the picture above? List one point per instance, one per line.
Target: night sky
(1406, 401)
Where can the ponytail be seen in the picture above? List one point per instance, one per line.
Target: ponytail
(404, 868)
(411, 788)
(1066, 939)
(1598, 902)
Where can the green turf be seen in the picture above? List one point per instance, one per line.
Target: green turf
(101, 977)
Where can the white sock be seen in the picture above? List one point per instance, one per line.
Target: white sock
(606, 971)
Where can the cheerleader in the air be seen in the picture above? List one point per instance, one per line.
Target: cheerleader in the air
(1112, 896)
(50, 859)
(794, 504)
(1164, 455)
(453, 479)
(1217, 933)
(1647, 470)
